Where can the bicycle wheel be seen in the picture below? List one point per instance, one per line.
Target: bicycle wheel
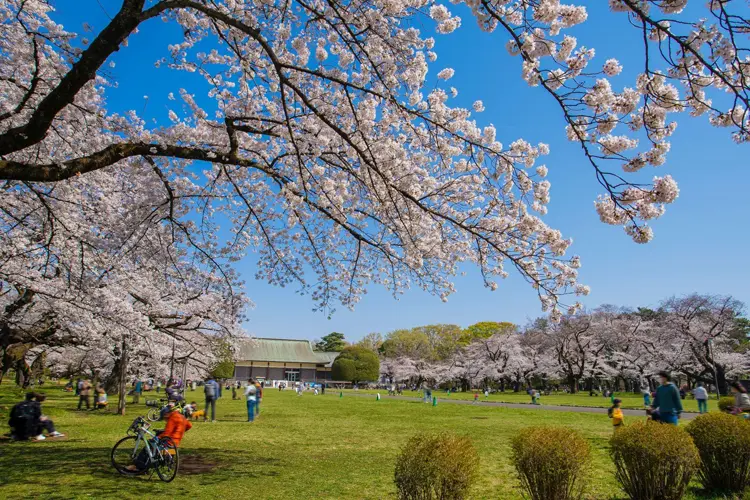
(124, 455)
(154, 414)
(167, 460)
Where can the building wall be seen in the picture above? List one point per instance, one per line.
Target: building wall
(307, 372)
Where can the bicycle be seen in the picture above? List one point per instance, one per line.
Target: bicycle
(158, 407)
(142, 451)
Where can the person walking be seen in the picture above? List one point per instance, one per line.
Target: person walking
(137, 391)
(251, 392)
(701, 395)
(667, 400)
(615, 413)
(646, 396)
(211, 391)
(83, 394)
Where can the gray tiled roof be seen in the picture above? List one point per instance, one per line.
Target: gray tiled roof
(282, 351)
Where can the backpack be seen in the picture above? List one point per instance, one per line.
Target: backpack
(23, 420)
(209, 389)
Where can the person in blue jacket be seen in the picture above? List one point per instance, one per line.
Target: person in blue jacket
(667, 400)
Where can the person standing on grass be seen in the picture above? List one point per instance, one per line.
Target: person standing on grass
(137, 391)
(701, 395)
(646, 396)
(667, 400)
(258, 396)
(83, 394)
(615, 413)
(251, 394)
(211, 391)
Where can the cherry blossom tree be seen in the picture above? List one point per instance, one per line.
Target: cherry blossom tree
(322, 145)
(705, 329)
(318, 141)
(695, 59)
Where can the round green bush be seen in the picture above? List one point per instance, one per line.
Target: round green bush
(551, 462)
(436, 467)
(725, 404)
(654, 461)
(723, 442)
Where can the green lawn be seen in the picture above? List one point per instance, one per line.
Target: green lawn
(629, 400)
(307, 447)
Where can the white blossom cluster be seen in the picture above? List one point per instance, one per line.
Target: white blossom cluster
(325, 151)
(705, 57)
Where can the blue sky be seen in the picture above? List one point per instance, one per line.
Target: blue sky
(699, 244)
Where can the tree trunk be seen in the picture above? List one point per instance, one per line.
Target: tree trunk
(573, 383)
(721, 379)
(123, 378)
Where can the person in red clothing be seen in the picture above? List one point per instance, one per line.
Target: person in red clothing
(177, 426)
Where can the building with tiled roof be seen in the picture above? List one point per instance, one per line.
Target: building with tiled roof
(274, 360)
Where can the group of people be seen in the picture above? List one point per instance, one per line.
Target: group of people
(84, 390)
(28, 422)
(666, 406)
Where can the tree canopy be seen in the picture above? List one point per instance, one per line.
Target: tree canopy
(333, 342)
(324, 137)
(356, 364)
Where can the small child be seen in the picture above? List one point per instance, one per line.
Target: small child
(486, 393)
(101, 398)
(534, 397)
(615, 413)
(476, 396)
(234, 392)
(197, 413)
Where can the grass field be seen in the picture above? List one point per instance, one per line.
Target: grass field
(629, 400)
(305, 447)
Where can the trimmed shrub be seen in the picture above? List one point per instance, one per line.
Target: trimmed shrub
(723, 442)
(551, 462)
(654, 461)
(725, 404)
(436, 467)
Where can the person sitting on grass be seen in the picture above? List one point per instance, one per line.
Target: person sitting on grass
(173, 394)
(24, 418)
(615, 413)
(741, 399)
(44, 423)
(195, 413)
(177, 426)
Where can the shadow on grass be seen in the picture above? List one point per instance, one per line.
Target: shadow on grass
(63, 472)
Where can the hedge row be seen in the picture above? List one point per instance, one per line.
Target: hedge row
(652, 461)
